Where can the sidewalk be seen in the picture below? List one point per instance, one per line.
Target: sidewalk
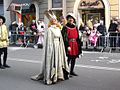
(101, 49)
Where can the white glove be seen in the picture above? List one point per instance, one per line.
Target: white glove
(69, 48)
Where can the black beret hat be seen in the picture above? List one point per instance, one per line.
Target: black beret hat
(3, 18)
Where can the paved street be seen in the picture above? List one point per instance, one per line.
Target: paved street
(96, 70)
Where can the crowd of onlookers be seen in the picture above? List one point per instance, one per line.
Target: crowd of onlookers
(20, 34)
(32, 34)
(114, 33)
(95, 33)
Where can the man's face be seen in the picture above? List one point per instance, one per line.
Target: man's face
(70, 20)
(1, 21)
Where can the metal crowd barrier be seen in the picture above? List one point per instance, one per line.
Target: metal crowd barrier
(24, 40)
(111, 41)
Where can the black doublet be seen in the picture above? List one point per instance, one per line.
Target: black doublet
(65, 38)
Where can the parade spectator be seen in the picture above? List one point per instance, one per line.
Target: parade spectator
(72, 41)
(96, 23)
(33, 28)
(3, 43)
(90, 23)
(102, 30)
(118, 31)
(21, 31)
(55, 67)
(93, 37)
(40, 28)
(112, 33)
(85, 36)
(13, 31)
(21, 34)
(82, 26)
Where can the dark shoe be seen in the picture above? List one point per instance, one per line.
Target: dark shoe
(66, 78)
(73, 74)
(2, 67)
(95, 49)
(113, 49)
(6, 66)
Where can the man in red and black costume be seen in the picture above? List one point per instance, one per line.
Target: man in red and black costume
(72, 41)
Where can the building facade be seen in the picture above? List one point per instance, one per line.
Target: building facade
(1, 8)
(83, 9)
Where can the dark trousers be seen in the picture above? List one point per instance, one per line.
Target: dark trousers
(72, 61)
(113, 41)
(101, 41)
(113, 38)
(118, 40)
(4, 52)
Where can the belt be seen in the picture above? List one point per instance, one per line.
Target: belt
(72, 40)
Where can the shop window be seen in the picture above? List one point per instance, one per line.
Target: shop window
(1, 1)
(32, 8)
(58, 14)
(56, 3)
(28, 15)
(18, 8)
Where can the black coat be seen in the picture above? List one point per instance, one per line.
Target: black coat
(33, 29)
(102, 29)
(112, 29)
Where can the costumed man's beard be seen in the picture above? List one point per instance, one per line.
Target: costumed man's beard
(71, 22)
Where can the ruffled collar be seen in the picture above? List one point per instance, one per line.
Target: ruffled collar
(53, 26)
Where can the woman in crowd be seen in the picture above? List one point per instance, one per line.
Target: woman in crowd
(93, 37)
